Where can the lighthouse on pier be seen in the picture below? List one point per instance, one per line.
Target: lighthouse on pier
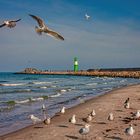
(75, 64)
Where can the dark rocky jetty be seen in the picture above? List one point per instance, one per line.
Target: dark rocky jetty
(124, 73)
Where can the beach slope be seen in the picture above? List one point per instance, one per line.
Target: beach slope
(101, 128)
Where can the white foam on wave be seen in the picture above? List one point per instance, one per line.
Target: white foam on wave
(55, 95)
(18, 84)
(94, 89)
(107, 88)
(69, 89)
(37, 99)
(43, 87)
(122, 81)
(64, 90)
(27, 90)
(39, 83)
(91, 84)
(105, 83)
(29, 100)
(61, 90)
(23, 101)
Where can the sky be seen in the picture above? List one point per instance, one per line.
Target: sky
(109, 39)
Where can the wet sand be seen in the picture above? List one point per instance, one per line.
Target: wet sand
(101, 128)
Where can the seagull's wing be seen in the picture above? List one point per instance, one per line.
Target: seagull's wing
(36, 118)
(54, 34)
(2, 25)
(15, 20)
(87, 16)
(39, 20)
(81, 131)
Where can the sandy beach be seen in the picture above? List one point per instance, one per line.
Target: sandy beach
(101, 128)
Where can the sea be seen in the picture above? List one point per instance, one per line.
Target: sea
(23, 94)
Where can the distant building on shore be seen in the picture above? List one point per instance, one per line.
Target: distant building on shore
(75, 64)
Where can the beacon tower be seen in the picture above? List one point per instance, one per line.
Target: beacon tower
(75, 64)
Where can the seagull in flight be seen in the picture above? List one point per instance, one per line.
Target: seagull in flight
(87, 16)
(9, 23)
(43, 28)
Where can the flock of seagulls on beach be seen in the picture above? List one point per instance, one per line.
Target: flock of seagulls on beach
(84, 131)
(41, 28)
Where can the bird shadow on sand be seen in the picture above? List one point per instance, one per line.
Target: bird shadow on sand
(114, 138)
(101, 123)
(57, 115)
(127, 120)
(38, 127)
(118, 110)
(63, 126)
(72, 137)
(79, 124)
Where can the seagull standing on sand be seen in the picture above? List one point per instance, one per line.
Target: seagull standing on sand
(73, 119)
(47, 121)
(88, 118)
(111, 117)
(9, 23)
(43, 28)
(87, 16)
(34, 119)
(136, 115)
(127, 105)
(84, 130)
(130, 131)
(62, 111)
(93, 113)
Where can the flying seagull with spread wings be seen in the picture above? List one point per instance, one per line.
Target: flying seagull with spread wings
(9, 23)
(43, 28)
(87, 16)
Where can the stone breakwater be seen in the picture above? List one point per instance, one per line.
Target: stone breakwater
(123, 74)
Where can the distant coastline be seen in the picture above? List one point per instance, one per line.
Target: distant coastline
(114, 72)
